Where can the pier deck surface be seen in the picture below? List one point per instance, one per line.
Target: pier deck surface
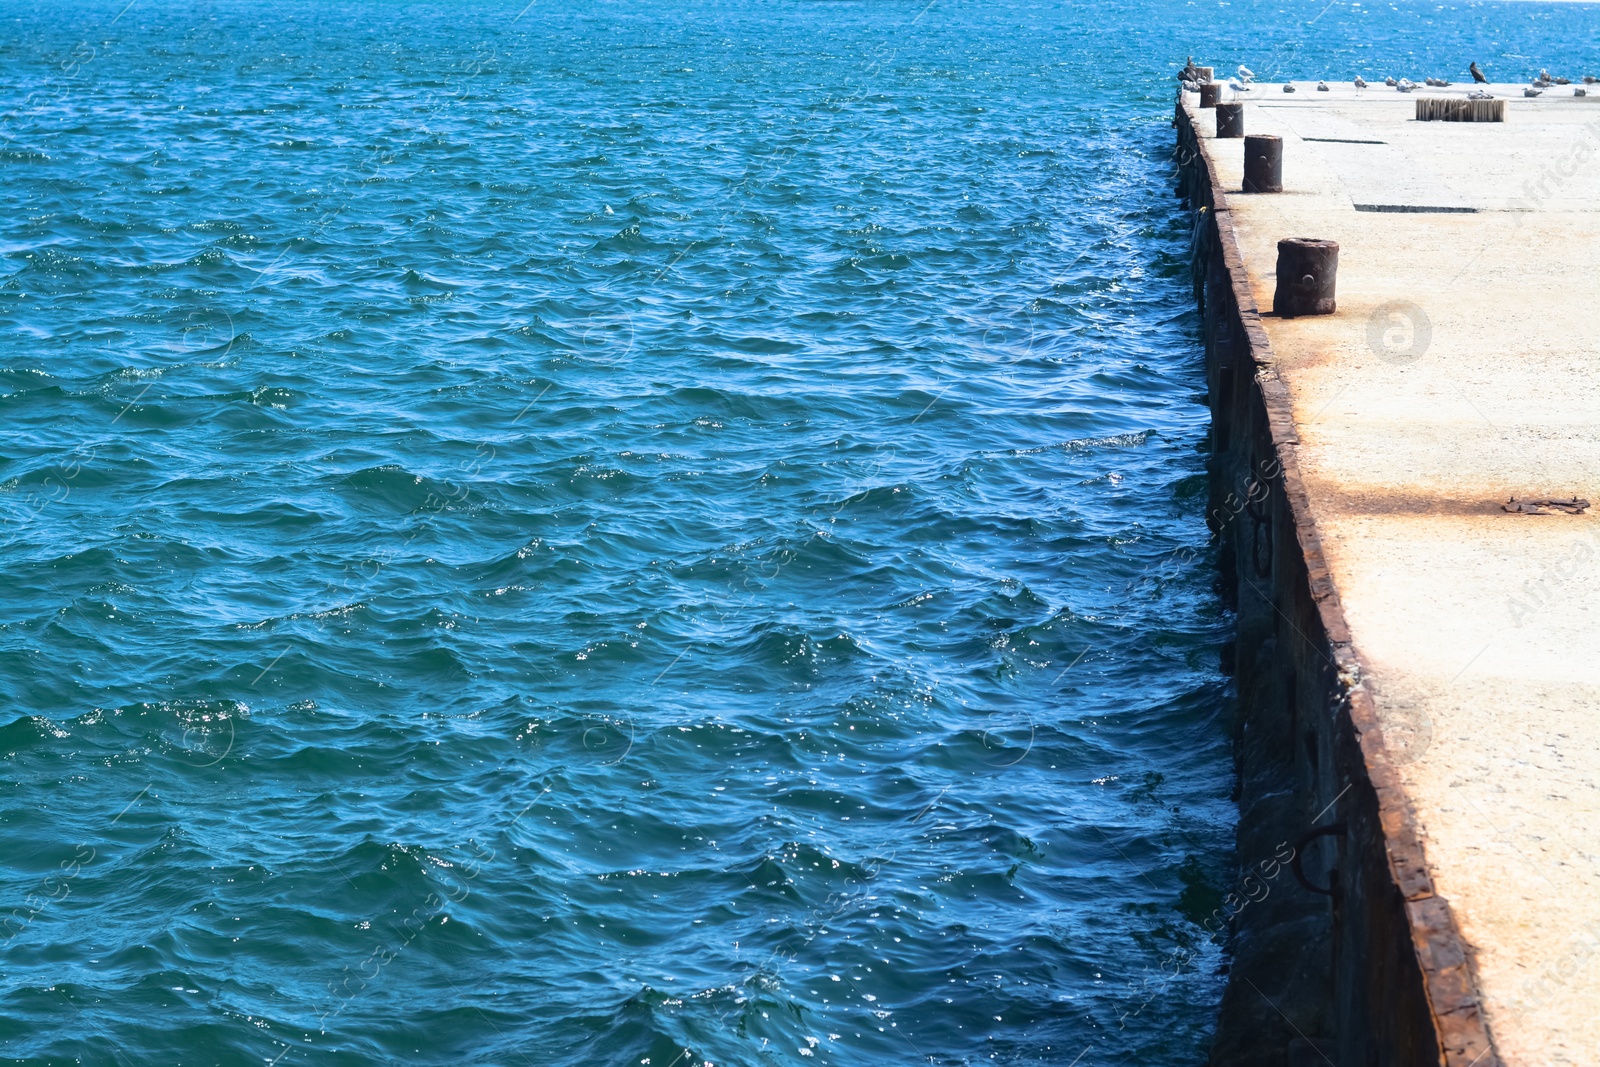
(1462, 368)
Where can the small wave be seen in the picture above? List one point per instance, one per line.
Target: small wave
(1087, 444)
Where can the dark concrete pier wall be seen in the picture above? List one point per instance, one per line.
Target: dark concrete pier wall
(1371, 971)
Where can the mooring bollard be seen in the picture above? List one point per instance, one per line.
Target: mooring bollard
(1263, 162)
(1205, 74)
(1307, 269)
(1210, 94)
(1230, 120)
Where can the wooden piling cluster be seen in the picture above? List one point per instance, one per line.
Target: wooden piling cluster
(1441, 109)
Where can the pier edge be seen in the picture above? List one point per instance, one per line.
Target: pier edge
(1376, 973)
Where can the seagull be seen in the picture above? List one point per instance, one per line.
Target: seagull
(1191, 87)
(1477, 75)
(1563, 81)
(1580, 92)
(1530, 91)
(1406, 85)
(1322, 87)
(1236, 87)
(1590, 79)
(1479, 94)
(1289, 88)
(1544, 76)
(1390, 82)
(1361, 83)
(1246, 74)
(1439, 83)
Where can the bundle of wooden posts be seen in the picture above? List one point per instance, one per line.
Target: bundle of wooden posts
(1447, 109)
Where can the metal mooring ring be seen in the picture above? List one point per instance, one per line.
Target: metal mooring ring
(1334, 829)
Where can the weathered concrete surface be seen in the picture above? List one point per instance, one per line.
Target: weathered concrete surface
(1462, 368)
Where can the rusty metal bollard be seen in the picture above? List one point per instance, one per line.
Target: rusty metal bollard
(1263, 163)
(1307, 270)
(1230, 120)
(1210, 94)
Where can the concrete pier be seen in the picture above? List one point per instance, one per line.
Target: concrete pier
(1418, 657)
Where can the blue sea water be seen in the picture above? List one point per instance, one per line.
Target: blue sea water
(652, 534)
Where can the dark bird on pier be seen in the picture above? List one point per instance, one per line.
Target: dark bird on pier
(1288, 88)
(1477, 74)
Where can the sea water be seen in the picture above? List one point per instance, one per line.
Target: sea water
(658, 534)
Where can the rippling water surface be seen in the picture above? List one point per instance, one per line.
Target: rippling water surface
(613, 533)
